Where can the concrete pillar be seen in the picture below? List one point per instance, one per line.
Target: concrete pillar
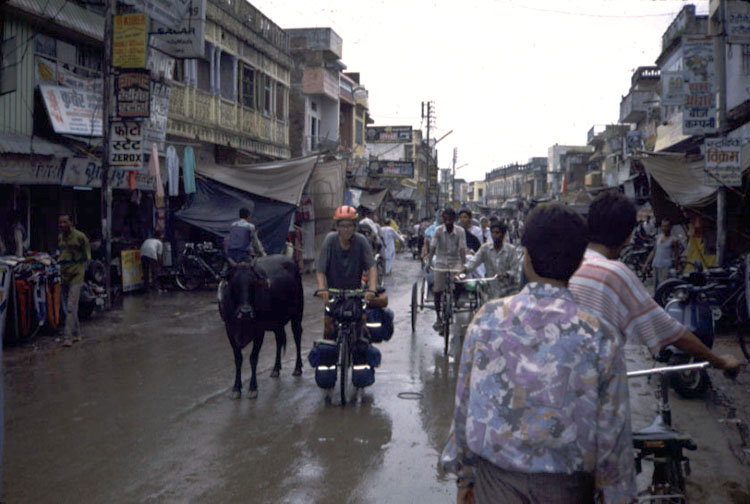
(218, 71)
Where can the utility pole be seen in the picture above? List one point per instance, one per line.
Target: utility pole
(106, 196)
(428, 196)
(453, 178)
(721, 194)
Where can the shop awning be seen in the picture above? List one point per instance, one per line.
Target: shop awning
(22, 144)
(682, 178)
(64, 13)
(372, 201)
(278, 180)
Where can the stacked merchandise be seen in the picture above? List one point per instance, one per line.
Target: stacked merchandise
(30, 298)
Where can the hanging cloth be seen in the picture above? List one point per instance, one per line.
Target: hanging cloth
(153, 166)
(173, 171)
(188, 170)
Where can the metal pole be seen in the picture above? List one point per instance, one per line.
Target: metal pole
(429, 162)
(106, 191)
(721, 196)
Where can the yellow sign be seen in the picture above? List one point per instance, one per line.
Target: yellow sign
(132, 273)
(129, 41)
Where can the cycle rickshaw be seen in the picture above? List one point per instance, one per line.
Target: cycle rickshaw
(420, 299)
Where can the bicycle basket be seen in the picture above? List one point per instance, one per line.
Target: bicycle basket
(347, 309)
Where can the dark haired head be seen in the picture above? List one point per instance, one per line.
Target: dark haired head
(465, 211)
(449, 211)
(611, 219)
(244, 213)
(555, 239)
(499, 226)
(494, 218)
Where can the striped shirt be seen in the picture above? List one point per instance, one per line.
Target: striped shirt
(614, 293)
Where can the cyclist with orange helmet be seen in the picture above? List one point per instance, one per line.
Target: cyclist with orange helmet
(344, 255)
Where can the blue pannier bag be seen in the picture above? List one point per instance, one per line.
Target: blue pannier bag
(373, 356)
(323, 353)
(323, 357)
(379, 324)
(363, 375)
(325, 376)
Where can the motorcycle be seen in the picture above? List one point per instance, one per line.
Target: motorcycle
(199, 264)
(727, 293)
(634, 255)
(691, 306)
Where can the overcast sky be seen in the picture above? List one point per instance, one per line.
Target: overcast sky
(509, 77)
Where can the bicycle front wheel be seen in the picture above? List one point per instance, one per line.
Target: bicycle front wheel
(446, 316)
(344, 363)
(188, 275)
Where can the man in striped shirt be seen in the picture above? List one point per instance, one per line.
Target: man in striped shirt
(610, 290)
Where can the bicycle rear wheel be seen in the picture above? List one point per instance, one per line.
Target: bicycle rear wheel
(414, 307)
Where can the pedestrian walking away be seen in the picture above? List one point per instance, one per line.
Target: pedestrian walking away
(557, 431)
(74, 255)
(610, 290)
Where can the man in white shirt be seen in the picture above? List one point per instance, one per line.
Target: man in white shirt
(151, 252)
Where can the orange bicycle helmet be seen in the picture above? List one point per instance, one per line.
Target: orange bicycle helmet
(345, 212)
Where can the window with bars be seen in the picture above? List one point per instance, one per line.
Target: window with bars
(280, 98)
(267, 92)
(745, 59)
(248, 86)
(8, 66)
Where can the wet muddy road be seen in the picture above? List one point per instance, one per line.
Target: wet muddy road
(140, 411)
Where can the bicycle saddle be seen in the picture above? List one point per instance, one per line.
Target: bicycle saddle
(658, 434)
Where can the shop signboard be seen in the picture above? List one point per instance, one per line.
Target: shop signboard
(389, 134)
(187, 38)
(72, 111)
(155, 127)
(723, 162)
(671, 88)
(738, 22)
(33, 171)
(133, 94)
(85, 172)
(699, 114)
(129, 40)
(50, 72)
(160, 65)
(391, 168)
(126, 145)
(167, 12)
(132, 272)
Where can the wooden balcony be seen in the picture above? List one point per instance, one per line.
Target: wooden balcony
(197, 114)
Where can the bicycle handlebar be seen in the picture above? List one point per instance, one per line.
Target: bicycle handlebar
(345, 292)
(447, 270)
(466, 280)
(668, 369)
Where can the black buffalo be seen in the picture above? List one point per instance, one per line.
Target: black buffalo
(257, 297)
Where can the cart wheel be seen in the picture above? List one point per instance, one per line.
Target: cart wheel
(421, 296)
(414, 307)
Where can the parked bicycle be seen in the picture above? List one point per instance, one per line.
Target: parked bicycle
(198, 265)
(663, 445)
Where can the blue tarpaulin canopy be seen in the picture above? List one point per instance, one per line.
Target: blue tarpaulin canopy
(214, 207)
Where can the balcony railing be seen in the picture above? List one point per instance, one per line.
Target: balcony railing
(204, 109)
(634, 106)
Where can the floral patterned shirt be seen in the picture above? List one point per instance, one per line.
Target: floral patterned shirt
(542, 389)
